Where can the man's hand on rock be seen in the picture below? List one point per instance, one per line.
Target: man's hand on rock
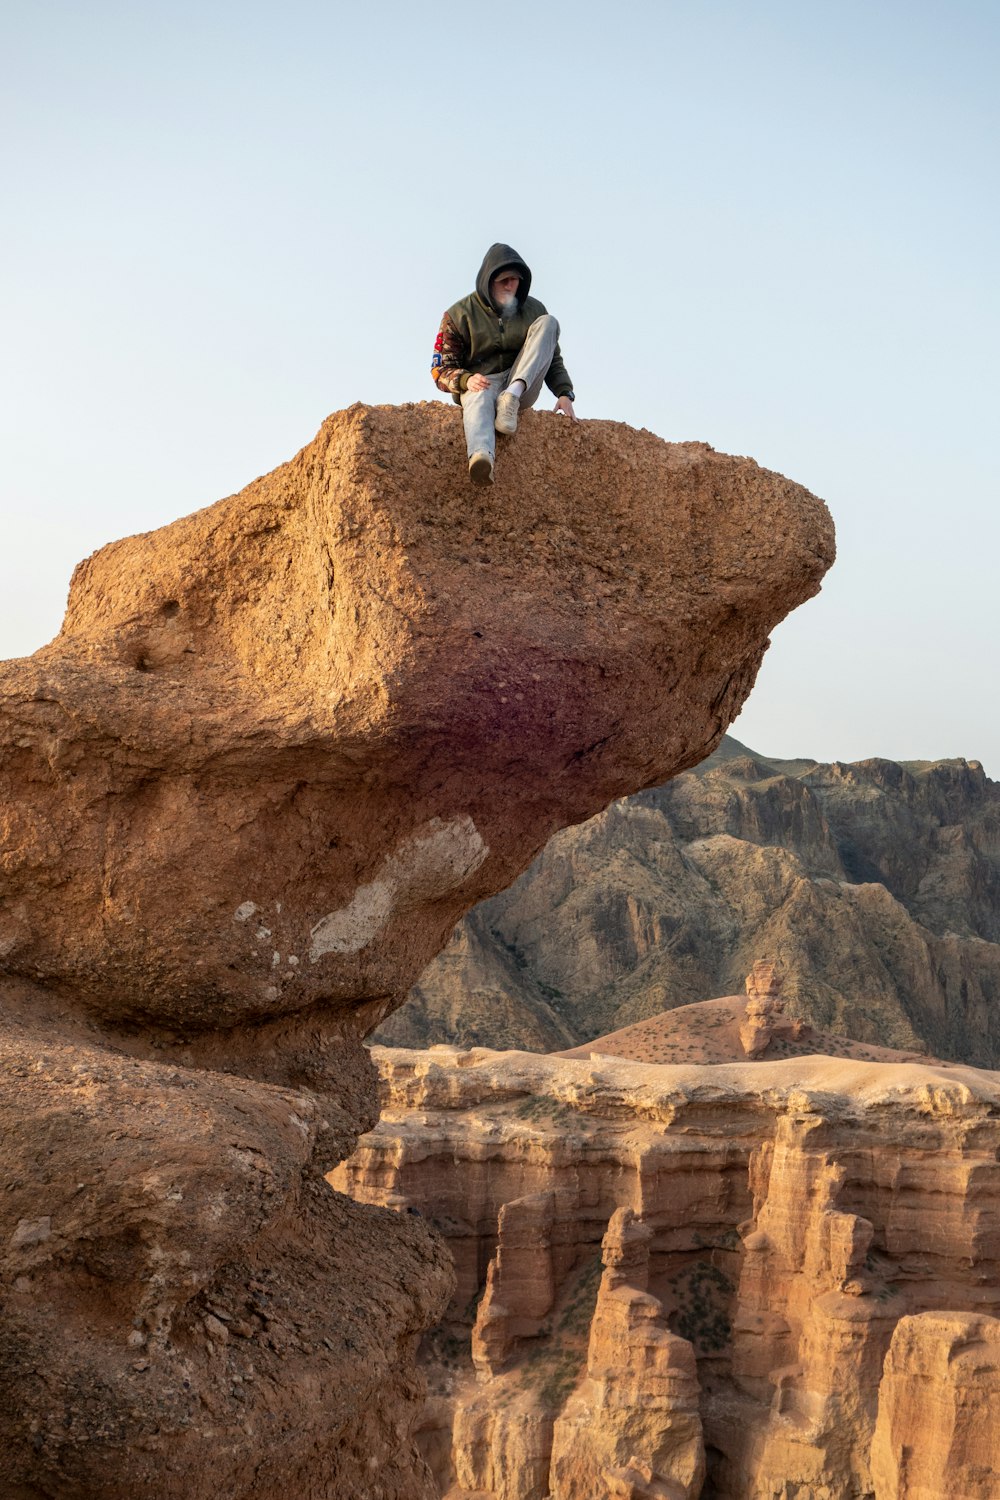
(565, 406)
(478, 383)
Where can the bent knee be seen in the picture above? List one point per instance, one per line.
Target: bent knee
(544, 322)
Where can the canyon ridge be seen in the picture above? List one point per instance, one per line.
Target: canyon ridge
(875, 886)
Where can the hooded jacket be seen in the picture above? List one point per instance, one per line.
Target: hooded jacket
(475, 339)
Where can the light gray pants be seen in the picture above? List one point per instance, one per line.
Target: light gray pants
(479, 408)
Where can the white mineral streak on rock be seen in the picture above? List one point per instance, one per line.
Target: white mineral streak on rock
(355, 925)
(437, 859)
(245, 912)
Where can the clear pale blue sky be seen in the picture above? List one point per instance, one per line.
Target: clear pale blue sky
(771, 226)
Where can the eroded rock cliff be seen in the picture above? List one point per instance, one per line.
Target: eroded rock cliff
(665, 1272)
(936, 1433)
(278, 748)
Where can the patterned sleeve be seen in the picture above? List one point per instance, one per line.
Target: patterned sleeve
(447, 368)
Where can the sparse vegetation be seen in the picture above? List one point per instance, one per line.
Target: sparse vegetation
(446, 1347)
(553, 1376)
(519, 958)
(703, 1293)
(578, 1310)
(552, 1367)
(541, 1107)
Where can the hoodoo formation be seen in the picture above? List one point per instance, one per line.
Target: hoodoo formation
(277, 749)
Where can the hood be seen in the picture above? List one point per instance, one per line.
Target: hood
(496, 257)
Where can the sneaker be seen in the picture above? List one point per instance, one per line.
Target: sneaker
(481, 468)
(508, 406)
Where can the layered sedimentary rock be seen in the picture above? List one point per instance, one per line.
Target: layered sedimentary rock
(876, 886)
(764, 1012)
(632, 1428)
(658, 1261)
(278, 748)
(937, 1413)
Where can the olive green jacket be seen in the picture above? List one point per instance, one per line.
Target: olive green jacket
(474, 339)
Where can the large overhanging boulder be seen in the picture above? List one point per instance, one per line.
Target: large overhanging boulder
(276, 751)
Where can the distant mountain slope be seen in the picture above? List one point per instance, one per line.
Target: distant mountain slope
(875, 885)
(709, 1032)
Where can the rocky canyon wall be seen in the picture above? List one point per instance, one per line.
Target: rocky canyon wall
(277, 750)
(752, 1281)
(875, 885)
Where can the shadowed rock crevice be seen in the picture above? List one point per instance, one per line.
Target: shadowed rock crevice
(277, 750)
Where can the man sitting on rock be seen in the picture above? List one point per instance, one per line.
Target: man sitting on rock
(494, 348)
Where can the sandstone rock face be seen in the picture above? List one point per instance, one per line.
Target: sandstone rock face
(713, 1260)
(185, 1308)
(875, 887)
(519, 1282)
(764, 1011)
(632, 1428)
(278, 748)
(936, 1432)
(764, 1021)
